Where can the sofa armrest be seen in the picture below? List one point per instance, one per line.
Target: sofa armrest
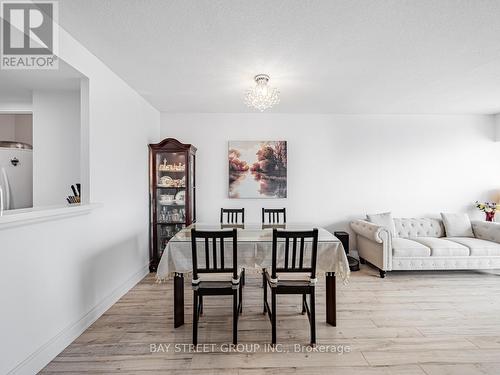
(371, 231)
(374, 244)
(486, 230)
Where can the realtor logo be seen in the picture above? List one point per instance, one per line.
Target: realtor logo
(29, 37)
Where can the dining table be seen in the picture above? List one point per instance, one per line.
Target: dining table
(254, 243)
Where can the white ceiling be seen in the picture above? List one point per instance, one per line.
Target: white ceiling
(326, 56)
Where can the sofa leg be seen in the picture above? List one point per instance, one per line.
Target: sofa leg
(382, 274)
(362, 260)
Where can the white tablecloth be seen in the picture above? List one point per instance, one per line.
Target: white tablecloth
(254, 251)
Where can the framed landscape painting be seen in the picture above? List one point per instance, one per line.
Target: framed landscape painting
(257, 169)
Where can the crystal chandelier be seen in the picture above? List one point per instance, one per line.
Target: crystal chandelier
(262, 96)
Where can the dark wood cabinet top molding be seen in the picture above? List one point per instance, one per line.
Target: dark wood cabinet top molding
(172, 144)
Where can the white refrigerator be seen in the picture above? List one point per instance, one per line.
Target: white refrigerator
(16, 176)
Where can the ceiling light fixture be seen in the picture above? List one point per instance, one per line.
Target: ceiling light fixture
(262, 96)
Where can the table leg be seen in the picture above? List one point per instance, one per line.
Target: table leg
(331, 303)
(178, 299)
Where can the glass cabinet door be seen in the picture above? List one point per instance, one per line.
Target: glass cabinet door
(170, 195)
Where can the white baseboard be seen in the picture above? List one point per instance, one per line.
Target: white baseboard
(47, 352)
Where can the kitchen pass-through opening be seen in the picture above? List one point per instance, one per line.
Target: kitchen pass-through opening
(16, 161)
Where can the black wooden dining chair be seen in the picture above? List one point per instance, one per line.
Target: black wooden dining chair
(274, 216)
(285, 278)
(233, 216)
(212, 277)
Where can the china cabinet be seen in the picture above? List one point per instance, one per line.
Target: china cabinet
(172, 193)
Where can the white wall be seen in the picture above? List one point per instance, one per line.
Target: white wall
(16, 128)
(7, 127)
(342, 167)
(56, 149)
(57, 277)
(497, 126)
(24, 128)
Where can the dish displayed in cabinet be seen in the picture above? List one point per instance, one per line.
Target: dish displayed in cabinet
(180, 197)
(167, 181)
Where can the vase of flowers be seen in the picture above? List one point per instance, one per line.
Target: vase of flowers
(489, 209)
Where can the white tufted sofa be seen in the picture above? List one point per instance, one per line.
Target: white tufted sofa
(421, 244)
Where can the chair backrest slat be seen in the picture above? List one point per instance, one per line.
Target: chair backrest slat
(274, 215)
(217, 251)
(298, 257)
(222, 254)
(301, 257)
(294, 251)
(232, 215)
(214, 244)
(287, 245)
(207, 256)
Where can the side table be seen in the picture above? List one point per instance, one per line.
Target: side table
(344, 238)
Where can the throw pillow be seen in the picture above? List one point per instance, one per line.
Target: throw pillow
(457, 225)
(384, 220)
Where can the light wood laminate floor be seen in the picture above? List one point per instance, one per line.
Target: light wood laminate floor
(409, 323)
